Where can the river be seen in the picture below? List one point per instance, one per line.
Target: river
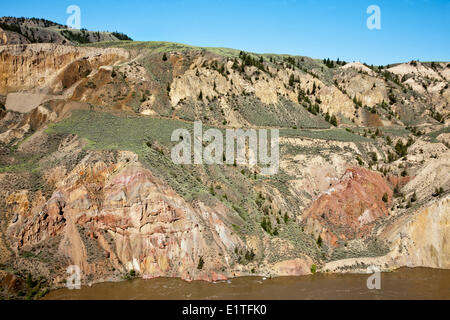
(405, 283)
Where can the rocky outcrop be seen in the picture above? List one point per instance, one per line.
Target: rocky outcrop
(422, 238)
(349, 208)
(296, 267)
(267, 87)
(121, 213)
(419, 239)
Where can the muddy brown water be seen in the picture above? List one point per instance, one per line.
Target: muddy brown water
(417, 283)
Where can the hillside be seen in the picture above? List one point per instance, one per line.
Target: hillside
(32, 30)
(86, 175)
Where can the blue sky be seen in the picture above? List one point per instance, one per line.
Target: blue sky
(410, 29)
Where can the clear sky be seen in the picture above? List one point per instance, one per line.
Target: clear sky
(410, 29)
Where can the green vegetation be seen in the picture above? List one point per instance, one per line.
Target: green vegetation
(121, 36)
(330, 134)
(250, 255)
(164, 47)
(371, 247)
(105, 131)
(319, 241)
(34, 288)
(244, 256)
(28, 166)
(149, 138)
(360, 162)
(434, 134)
(413, 197)
(401, 149)
(250, 61)
(11, 27)
(266, 224)
(329, 63)
(285, 114)
(333, 121)
(437, 116)
(76, 36)
(201, 263)
(438, 192)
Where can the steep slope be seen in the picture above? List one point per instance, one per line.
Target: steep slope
(86, 175)
(419, 239)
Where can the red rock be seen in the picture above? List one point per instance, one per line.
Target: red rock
(350, 208)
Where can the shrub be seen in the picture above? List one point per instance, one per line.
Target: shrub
(319, 241)
(201, 263)
(313, 269)
(374, 156)
(291, 80)
(121, 36)
(438, 192)
(333, 120)
(401, 149)
(391, 157)
(91, 85)
(397, 192)
(388, 140)
(360, 162)
(267, 225)
(250, 255)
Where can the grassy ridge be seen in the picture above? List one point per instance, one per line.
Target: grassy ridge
(162, 46)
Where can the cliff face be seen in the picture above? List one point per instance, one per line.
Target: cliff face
(419, 239)
(119, 216)
(86, 176)
(50, 68)
(422, 240)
